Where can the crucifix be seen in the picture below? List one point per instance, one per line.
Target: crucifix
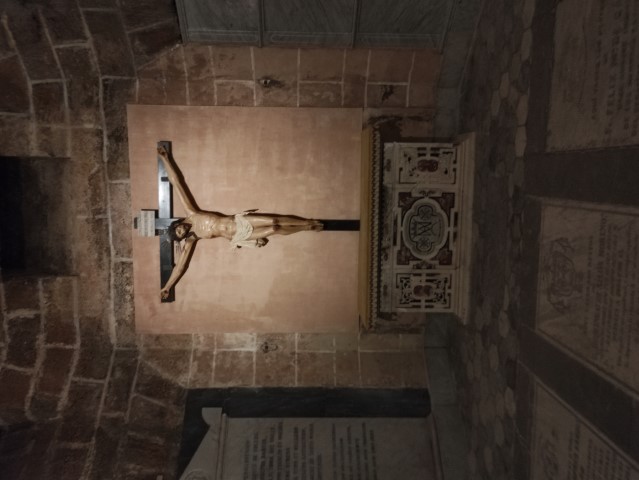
(156, 222)
(249, 229)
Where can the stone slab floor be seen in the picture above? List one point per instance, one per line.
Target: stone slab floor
(484, 352)
(500, 360)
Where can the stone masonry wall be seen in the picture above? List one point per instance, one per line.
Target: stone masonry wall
(81, 395)
(287, 77)
(117, 413)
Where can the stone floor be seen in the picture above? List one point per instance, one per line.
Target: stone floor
(501, 358)
(484, 352)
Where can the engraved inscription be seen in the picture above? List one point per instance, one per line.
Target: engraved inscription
(566, 447)
(588, 292)
(595, 93)
(325, 448)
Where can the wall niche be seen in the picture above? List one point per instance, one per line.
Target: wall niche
(35, 211)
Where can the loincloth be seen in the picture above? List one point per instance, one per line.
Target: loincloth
(243, 231)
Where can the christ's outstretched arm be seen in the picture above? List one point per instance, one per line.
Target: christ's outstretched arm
(176, 179)
(180, 267)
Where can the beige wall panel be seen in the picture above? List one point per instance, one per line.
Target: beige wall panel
(302, 162)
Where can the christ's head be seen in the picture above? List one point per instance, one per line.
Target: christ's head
(179, 230)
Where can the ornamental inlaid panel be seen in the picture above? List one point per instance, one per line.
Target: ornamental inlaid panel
(425, 163)
(419, 251)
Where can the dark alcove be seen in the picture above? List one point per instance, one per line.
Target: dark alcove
(35, 206)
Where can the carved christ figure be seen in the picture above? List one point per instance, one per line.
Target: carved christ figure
(246, 229)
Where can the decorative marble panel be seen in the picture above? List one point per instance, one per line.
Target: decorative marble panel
(426, 163)
(423, 291)
(424, 207)
(420, 206)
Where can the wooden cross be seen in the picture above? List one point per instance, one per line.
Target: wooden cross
(156, 222)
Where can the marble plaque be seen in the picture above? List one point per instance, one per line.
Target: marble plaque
(565, 447)
(315, 449)
(595, 80)
(321, 448)
(588, 286)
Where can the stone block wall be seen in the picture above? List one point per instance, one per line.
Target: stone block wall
(76, 408)
(81, 395)
(71, 405)
(287, 77)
